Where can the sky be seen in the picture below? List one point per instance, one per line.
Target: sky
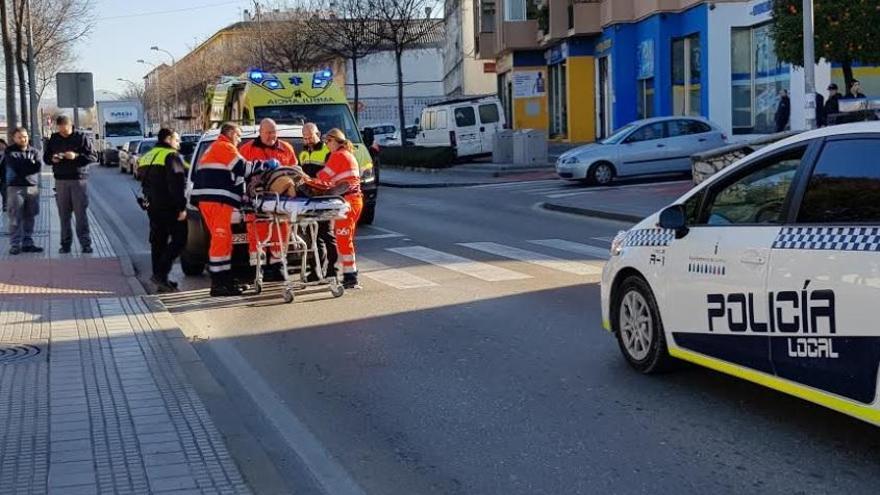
(125, 30)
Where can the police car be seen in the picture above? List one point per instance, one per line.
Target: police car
(769, 271)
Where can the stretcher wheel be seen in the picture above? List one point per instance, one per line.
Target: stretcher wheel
(337, 289)
(288, 296)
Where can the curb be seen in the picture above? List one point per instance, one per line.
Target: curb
(121, 250)
(586, 212)
(436, 185)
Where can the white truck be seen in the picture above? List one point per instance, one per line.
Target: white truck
(119, 121)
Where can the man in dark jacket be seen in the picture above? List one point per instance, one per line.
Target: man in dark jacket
(832, 104)
(2, 174)
(22, 164)
(70, 154)
(783, 111)
(163, 177)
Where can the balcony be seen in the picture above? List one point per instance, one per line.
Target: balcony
(585, 17)
(517, 35)
(486, 46)
(553, 21)
(617, 11)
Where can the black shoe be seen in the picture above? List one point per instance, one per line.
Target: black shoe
(87, 250)
(225, 291)
(350, 281)
(273, 273)
(14, 250)
(172, 283)
(32, 249)
(163, 286)
(312, 277)
(64, 250)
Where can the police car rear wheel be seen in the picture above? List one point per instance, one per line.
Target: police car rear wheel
(638, 327)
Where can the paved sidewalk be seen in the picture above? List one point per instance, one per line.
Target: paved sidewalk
(627, 203)
(93, 393)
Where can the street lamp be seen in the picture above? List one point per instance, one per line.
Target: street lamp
(174, 67)
(158, 90)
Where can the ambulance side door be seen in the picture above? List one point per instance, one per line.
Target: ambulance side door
(825, 273)
(716, 278)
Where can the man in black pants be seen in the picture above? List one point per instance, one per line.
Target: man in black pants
(163, 177)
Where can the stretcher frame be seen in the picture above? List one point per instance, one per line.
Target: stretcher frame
(302, 241)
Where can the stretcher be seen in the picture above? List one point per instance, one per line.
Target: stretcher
(301, 215)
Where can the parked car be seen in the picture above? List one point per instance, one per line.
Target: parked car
(143, 146)
(188, 144)
(467, 125)
(385, 134)
(652, 146)
(766, 271)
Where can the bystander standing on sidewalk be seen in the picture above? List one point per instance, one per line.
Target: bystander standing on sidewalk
(70, 153)
(22, 165)
(783, 111)
(2, 174)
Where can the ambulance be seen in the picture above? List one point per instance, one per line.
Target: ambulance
(293, 98)
(768, 271)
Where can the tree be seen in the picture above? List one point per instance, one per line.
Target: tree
(281, 40)
(6, 40)
(845, 32)
(401, 27)
(346, 29)
(20, 59)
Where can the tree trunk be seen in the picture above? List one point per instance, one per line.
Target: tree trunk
(354, 78)
(848, 78)
(11, 113)
(398, 59)
(18, 12)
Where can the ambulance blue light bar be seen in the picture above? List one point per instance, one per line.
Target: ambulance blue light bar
(322, 78)
(256, 76)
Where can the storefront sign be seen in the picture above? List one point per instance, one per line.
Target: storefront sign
(489, 68)
(762, 8)
(604, 46)
(557, 54)
(645, 59)
(528, 84)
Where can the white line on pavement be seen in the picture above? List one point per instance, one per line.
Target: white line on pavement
(512, 185)
(616, 188)
(573, 247)
(394, 277)
(534, 258)
(378, 236)
(326, 470)
(482, 271)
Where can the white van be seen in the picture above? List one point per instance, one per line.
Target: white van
(468, 125)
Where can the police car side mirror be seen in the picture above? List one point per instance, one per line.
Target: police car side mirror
(674, 218)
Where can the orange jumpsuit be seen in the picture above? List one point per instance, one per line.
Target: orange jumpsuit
(217, 189)
(286, 156)
(342, 167)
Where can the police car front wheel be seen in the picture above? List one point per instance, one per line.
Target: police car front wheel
(638, 327)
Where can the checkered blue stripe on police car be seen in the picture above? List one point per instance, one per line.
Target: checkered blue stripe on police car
(829, 238)
(649, 237)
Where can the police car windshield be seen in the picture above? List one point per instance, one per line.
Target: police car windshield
(326, 117)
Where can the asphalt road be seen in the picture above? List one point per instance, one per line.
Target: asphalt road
(460, 370)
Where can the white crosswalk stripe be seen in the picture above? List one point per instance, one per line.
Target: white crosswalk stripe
(394, 277)
(573, 247)
(534, 257)
(482, 271)
(516, 185)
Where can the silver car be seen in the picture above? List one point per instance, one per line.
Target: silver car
(652, 146)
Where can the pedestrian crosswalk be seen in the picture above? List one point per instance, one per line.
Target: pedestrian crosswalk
(415, 266)
(559, 189)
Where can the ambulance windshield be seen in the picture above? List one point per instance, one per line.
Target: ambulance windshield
(326, 117)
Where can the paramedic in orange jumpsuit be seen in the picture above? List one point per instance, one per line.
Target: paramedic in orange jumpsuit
(342, 169)
(217, 190)
(266, 147)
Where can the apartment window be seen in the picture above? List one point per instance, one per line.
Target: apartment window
(686, 71)
(514, 10)
(757, 76)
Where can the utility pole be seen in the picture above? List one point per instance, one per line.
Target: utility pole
(809, 66)
(174, 75)
(32, 84)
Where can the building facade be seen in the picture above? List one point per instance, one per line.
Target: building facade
(581, 68)
(464, 72)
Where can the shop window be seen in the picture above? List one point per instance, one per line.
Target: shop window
(489, 113)
(757, 77)
(645, 102)
(686, 72)
(465, 117)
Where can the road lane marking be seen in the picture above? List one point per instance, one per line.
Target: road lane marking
(394, 277)
(573, 247)
(534, 258)
(378, 236)
(476, 269)
(513, 185)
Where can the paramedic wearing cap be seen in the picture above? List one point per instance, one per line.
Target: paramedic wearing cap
(217, 190)
(342, 169)
(266, 147)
